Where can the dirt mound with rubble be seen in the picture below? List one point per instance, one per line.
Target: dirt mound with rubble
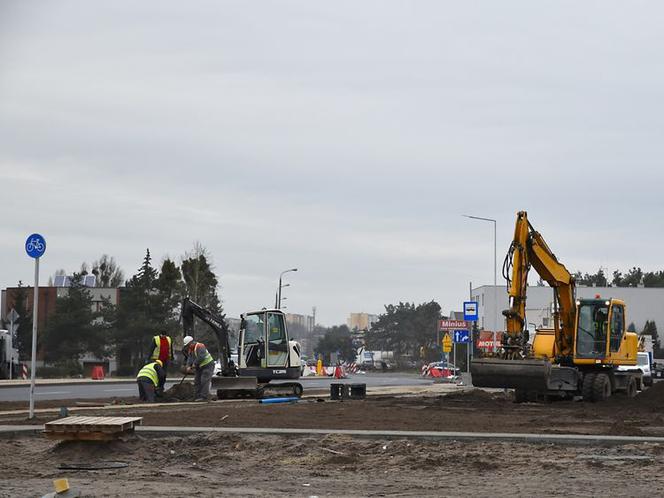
(333, 465)
(180, 392)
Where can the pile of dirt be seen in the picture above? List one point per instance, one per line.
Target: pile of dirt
(473, 396)
(180, 392)
(652, 398)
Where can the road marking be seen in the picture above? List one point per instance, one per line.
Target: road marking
(114, 390)
(53, 392)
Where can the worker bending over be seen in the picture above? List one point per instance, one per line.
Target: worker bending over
(150, 380)
(200, 361)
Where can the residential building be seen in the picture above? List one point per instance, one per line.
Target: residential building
(361, 321)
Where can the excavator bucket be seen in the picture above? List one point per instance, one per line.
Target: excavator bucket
(530, 375)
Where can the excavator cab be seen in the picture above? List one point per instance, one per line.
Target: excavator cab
(592, 328)
(264, 350)
(601, 335)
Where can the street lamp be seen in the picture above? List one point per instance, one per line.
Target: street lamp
(278, 303)
(495, 270)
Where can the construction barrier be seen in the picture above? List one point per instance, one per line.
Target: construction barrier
(98, 373)
(24, 371)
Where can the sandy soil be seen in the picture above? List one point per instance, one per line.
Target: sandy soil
(225, 465)
(462, 411)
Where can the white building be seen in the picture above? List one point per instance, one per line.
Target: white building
(643, 303)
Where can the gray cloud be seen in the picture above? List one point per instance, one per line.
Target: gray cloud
(343, 138)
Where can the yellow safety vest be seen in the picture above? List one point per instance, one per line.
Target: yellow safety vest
(150, 372)
(208, 357)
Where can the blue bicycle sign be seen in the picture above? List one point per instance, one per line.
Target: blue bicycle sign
(35, 245)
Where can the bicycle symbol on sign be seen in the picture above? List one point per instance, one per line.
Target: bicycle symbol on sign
(35, 245)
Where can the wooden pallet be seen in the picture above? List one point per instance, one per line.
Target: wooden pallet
(90, 428)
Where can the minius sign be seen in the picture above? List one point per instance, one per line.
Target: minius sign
(452, 325)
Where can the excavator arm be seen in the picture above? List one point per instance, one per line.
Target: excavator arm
(191, 310)
(528, 249)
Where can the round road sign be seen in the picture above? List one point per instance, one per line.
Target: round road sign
(35, 245)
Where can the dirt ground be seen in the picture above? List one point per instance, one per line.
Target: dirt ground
(229, 465)
(252, 465)
(474, 411)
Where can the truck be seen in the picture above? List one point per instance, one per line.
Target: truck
(9, 365)
(581, 355)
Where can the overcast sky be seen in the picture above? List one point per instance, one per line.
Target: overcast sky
(344, 138)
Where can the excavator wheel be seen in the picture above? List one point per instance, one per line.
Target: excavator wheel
(601, 387)
(630, 390)
(587, 387)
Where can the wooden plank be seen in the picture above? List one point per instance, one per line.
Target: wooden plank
(82, 436)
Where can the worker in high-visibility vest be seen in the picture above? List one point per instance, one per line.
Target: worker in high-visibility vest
(149, 380)
(200, 362)
(161, 348)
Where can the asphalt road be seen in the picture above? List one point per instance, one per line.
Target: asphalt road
(125, 389)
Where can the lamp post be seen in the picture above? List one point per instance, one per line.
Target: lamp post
(278, 303)
(495, 270)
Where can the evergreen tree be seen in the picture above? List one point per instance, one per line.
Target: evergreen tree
(405, 328)
(137, 318)
(337, 339)
(650, 328)
(171, 289)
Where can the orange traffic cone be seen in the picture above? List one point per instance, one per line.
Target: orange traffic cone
(338, 374)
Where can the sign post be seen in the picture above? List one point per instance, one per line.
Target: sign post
(35, 247)
(447, 347)
(470, 314)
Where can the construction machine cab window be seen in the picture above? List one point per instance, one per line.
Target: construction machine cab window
(253, 339)
(617, 326)
(277, 341)
(592, 328)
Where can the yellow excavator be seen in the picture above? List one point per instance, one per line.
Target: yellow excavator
(579, 356)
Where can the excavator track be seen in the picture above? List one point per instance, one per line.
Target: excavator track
(281, 390)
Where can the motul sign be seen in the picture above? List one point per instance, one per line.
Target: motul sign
(451, 325)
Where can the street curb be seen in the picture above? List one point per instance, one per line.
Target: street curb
(432, 435)
(66, 382)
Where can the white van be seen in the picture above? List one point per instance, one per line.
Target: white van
(643, 363)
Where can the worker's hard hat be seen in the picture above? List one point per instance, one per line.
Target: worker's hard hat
(161, 363)
(187, 340)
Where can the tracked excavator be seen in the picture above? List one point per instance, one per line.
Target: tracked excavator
(579, 356)
(265, 354)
